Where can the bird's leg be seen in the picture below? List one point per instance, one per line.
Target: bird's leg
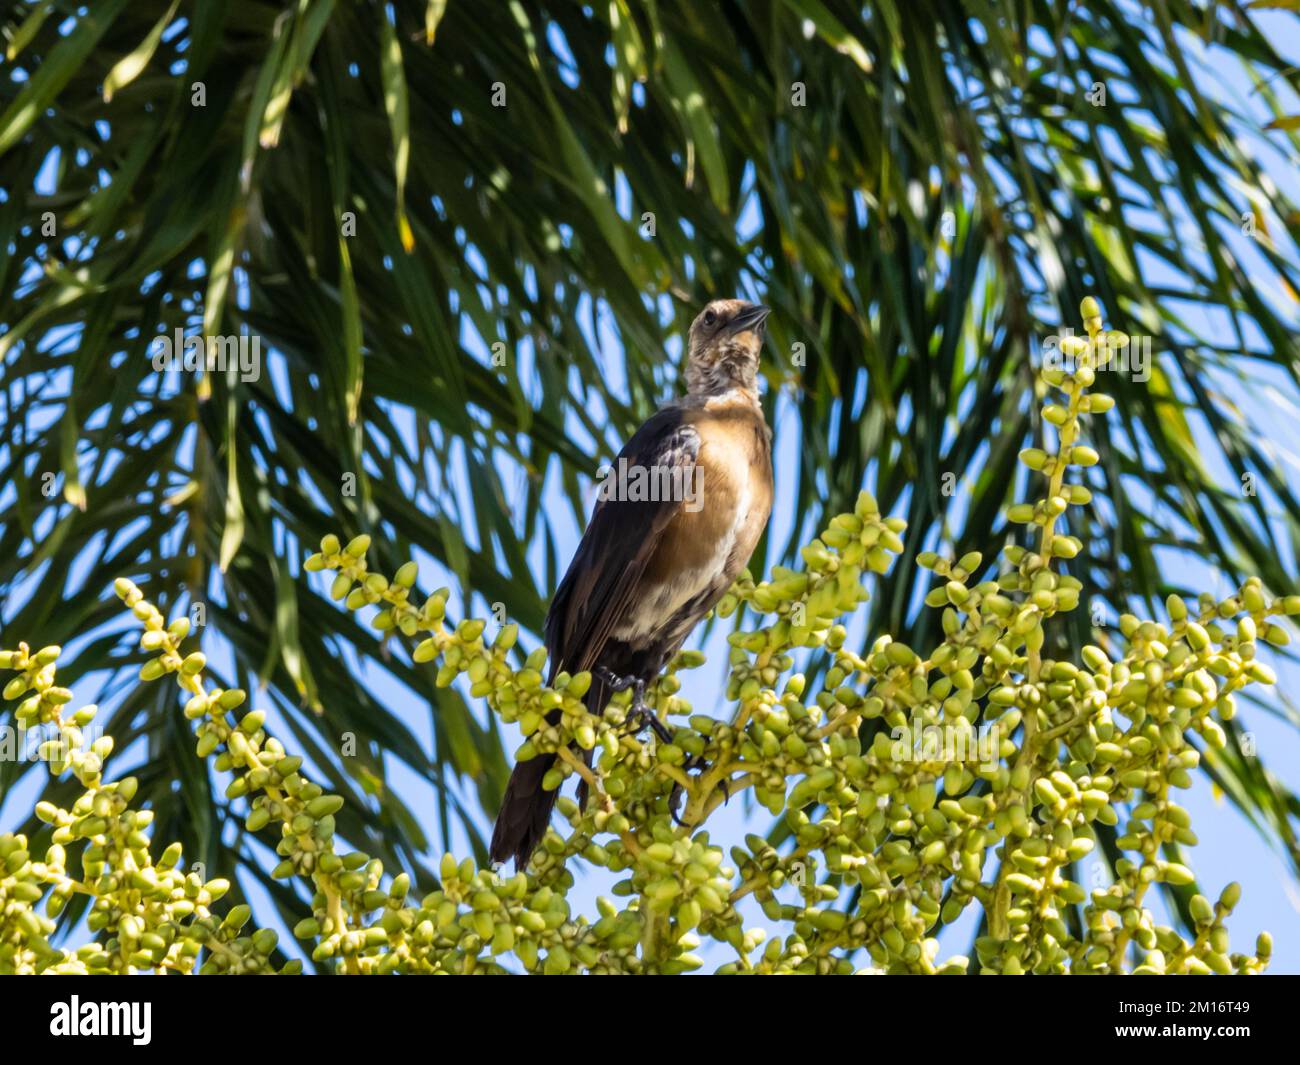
(675, 796)
(639, 714)
(642, 715)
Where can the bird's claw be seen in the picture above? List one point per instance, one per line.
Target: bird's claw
(674, 801)
(639, 714)
(675, 796)
(615, 682)
(648, 717)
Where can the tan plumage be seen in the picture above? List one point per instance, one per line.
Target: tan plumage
(709, 548)
(647, 570)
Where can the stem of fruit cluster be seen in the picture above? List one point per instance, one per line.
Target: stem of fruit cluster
(999, 926)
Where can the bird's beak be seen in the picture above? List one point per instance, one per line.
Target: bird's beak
(752, 317)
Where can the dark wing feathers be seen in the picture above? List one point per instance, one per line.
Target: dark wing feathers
(601, 580)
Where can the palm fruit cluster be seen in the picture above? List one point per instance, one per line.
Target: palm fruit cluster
(908, 785)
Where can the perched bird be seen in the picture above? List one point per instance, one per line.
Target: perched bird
(648, 569)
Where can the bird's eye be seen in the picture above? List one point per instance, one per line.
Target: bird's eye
(710, 317)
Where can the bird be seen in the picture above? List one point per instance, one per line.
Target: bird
(647, 570)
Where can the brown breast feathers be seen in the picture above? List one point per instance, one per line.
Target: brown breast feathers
(706, 545)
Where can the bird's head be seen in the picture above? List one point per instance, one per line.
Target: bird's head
(723, 347)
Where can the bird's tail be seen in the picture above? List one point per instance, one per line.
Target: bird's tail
(525, 812)
(526, 807)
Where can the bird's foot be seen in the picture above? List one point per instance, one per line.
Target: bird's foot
(615, 682)
(639, 714)
(646, 716)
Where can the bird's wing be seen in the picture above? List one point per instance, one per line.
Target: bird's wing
(603, 578)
